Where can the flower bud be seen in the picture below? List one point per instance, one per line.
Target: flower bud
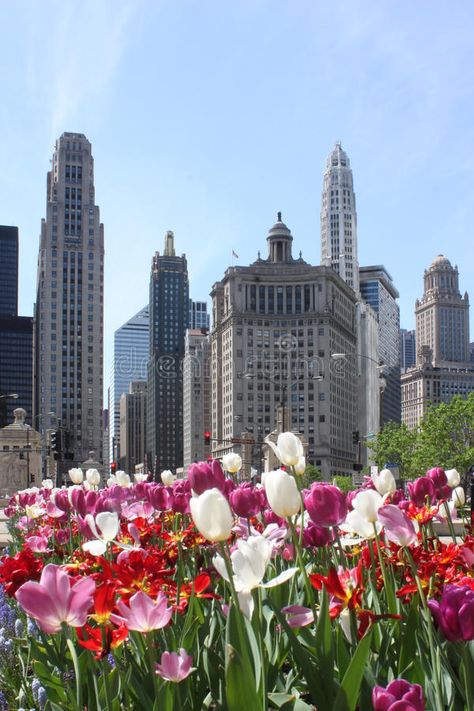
(76, 476)
(452, 475)
(282, 493)
(212, 515)
(93, 477)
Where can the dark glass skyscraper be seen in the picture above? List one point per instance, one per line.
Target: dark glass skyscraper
(16, 334)
(8, 271)
(169, 313)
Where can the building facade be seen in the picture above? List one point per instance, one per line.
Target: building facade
(443, 366)
(196, 396)
(133, 427)
(407, 349)
(275, 325)
(339, 219)
(131, 352)
(68, 336)
(378, 290)
(8, 271)
(370, 382)
(169, 314)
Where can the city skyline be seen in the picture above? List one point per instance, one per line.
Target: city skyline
(201, 148)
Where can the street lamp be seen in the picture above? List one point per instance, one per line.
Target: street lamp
(13, 396)
(343, 356)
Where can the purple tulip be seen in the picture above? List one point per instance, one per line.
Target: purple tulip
(61, 500)
(315, 536)
(399, 695)
(455, 613)
(159, 497)
(175, 666)
(245, 500)
(78, 501)
(203, 476)
(438, 477)
(326, 504)
(420, 489)
(397, 497)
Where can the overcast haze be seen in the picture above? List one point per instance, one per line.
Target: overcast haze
(208, 117)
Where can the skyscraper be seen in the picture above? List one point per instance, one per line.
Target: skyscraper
(169, 314)
(442, 315)
(339, 219)
(198, 316)
(16, 335)
(443, 366)
(131, 353)
(196, 397)
(133, 426)
(378, 290)
(8, 271)
(407, 349)
(276, 323)
(68, 357)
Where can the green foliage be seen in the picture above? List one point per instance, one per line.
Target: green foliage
(311, 474)
(344, 483)
(445, 437)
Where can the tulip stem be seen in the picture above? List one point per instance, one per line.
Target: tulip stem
(450, 522)
(152, 660)
(465, 674)
(302, 567)
(391, 600)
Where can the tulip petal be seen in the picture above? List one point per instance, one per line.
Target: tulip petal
(280, 578)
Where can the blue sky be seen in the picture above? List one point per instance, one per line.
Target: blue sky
(207, 117)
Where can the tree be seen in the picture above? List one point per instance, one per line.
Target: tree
(446, 436)
(395, 443)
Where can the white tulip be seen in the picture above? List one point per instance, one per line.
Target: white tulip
(367, 503)
(76, 476)
(282, 493)
(122, 479)
(384, 482)
(167, 477)
(212, 515)
(112, 480)
(47, 483)
(300, 466)
(104, 527)
(356, 523)
(458, 497)
(93, 477)
(139, 477)
(452, 475)
(288, 449)
(249, 564)
(232, 462)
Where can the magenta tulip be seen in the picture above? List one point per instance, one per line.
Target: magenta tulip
(53, 600)
(326, 504)
(204, 476)
(399, 695)
(438, 477)
(455, 613)
(175, 666)
(398, 527)
(315, 536)
(245, 500)
(420, 489)
(143, 614)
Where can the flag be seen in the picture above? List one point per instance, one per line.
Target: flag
(234, 254)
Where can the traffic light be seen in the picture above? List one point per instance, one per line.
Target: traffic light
(355, 437)
(56, 441)
(207, 437)
(113, 467)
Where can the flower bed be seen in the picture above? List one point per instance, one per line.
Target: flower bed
(205, 594)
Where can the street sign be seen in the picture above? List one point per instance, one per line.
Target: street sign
(241, 440)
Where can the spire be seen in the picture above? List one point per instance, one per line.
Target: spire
(169, 250)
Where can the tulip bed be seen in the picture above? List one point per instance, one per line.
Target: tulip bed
(210, 593)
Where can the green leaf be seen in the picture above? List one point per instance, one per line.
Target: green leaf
(240, 686)
(324, 646)
(348, 694)
(280, 699)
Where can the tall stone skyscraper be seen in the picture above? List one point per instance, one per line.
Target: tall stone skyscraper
(169, 314)
(443, 366)
(339, 219)
(68, 358)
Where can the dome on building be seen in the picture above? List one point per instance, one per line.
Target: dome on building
(441, 261)
(279, 229)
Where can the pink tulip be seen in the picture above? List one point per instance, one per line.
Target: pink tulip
(175, 666)
(438, 477)
(245, 500)
(158, 496)
(53, 600)
(298, 616)
(399, 695)
(398, 527)
(143, 614)
(37, 544)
